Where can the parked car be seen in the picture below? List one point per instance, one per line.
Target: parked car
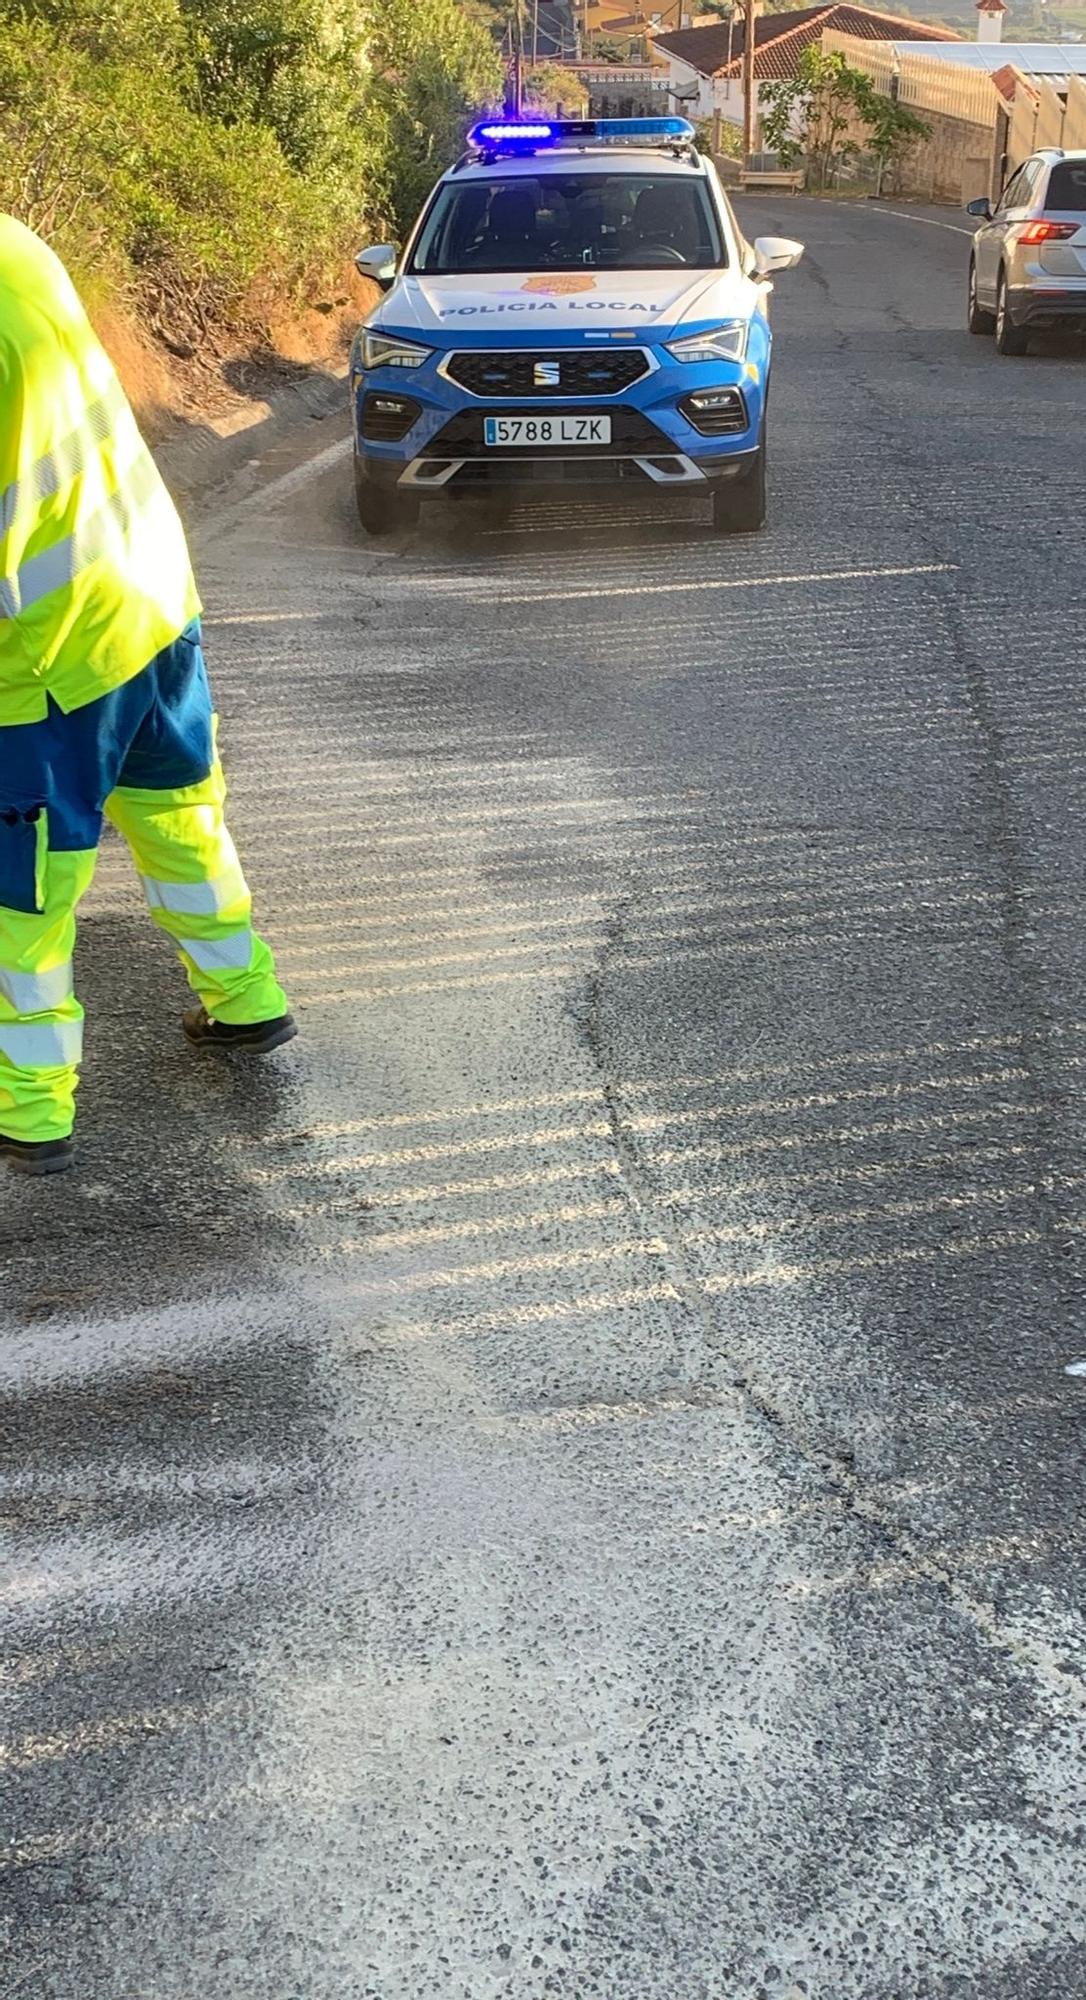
(576, 306)
(1027, 270)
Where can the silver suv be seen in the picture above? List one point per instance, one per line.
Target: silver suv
(1028, 267)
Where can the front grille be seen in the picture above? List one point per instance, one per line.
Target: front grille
(387, 418)
(631, 434)
(716, 412)
(579, 374)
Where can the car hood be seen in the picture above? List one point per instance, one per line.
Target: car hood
(567, 306)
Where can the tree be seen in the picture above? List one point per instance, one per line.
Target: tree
(609, 48)
(891, 127)
(811, 112)
(293, 65)
(215, 161)
(548, 87)
(824, 110)
(494, 15)
(151, 32)
(431, 67)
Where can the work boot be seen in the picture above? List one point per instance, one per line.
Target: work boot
(37, 1156)
(254, 1038)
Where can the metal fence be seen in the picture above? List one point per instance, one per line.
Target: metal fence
(1042, 116)
(1021, 126)
(961, 108)
(876, 58)
(977, 135)
(1074, 117)
(922, 82)
(1049, 130)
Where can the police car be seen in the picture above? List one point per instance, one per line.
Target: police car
(576, 306)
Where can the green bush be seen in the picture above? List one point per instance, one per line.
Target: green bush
(215, 158)
(430, 63)
(549, 88)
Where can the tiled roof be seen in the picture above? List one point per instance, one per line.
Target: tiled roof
(1009, 81)
(707, 49)
(779, 39)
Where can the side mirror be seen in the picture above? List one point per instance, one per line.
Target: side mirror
(774, 253)
(981, 208)
(379, 263)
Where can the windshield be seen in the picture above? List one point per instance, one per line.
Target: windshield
(565, 222)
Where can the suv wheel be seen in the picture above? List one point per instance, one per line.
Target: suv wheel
(1010, 339)
(381, 510)
(739, 505)
(978, 320)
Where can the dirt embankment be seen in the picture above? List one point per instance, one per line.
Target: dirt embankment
(212, 379)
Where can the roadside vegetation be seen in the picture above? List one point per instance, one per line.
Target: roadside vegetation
(547, 87)
(828, 113)
(205, 163)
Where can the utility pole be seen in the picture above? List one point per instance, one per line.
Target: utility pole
(517, 30)
(748, 81)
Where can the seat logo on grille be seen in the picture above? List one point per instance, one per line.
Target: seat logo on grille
(547, 375)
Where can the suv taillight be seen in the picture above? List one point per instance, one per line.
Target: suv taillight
(1048, 232)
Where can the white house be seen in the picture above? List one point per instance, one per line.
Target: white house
(705, 65)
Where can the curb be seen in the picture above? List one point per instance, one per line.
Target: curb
(201, 457)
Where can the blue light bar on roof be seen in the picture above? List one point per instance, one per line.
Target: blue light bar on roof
(644, 128)
(499, 135)
(521, 135)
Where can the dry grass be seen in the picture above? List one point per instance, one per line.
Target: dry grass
(167, 390)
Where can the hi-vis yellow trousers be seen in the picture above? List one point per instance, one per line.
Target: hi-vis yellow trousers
(144, 757)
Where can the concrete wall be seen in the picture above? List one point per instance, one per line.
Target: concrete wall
(954, 165)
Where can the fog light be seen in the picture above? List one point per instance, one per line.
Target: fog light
(386, 418)
(719, 412)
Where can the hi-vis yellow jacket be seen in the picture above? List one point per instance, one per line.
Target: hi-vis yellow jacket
(95, 577)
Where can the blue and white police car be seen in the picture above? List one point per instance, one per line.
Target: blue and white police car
(576, 306)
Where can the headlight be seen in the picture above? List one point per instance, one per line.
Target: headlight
(384, 350)
(720, 343)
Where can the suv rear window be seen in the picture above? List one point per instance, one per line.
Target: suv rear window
(1067, 188)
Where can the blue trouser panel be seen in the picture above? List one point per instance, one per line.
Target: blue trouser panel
(145, 755)
(155, 732)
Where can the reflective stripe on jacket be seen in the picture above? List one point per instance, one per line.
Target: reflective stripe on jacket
(95, 577)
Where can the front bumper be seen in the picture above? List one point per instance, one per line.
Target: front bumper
(452, 467)
(661, 436)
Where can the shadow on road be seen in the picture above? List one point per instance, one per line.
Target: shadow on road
(157, 1203)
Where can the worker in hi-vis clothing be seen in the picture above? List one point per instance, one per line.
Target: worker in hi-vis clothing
(104, 709)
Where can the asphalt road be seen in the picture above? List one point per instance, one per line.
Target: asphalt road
(566, 1481)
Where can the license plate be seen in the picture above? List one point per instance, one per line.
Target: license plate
(546, 430)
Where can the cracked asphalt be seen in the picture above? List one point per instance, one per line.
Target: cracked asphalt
(566, 1480)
